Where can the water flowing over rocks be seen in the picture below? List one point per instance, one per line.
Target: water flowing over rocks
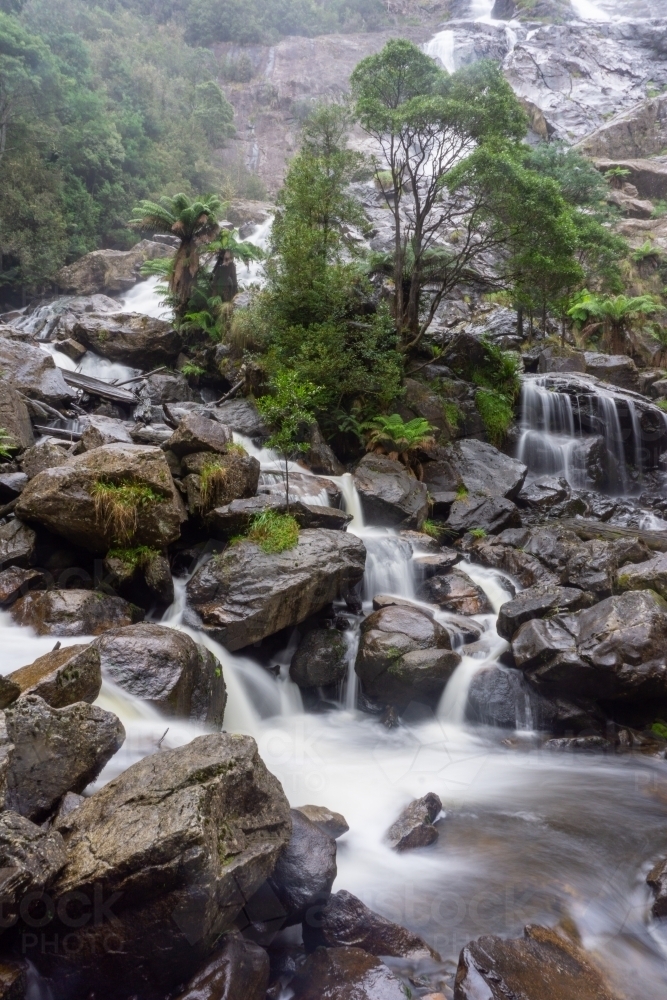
(342, 973)
(63, 499)
(499, 696)
(542, 965)
(390, 496)
(130, 338)
(186, 837)
(404, 655)
(414, 827)
(56, 750)
(109, 271)
(245, 594)
(166, 669)
(73, 612)
(305, 871)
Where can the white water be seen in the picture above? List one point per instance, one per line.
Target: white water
(441, 47)
(589, 11)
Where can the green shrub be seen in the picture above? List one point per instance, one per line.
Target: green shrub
(461, 491)
(497, 413)
(272, 532)
(477, 533)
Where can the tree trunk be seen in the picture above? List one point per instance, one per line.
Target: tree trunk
(224, 281)
(519, 322)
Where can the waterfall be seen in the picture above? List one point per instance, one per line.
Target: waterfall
(589, 11)
(441, 47)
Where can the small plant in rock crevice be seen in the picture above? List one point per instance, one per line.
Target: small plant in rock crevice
(273, 532)
(138, 557)
(497, 414)
(6, 448)
(477, 533)
(432, 529)
(117, 507)
(220, 480)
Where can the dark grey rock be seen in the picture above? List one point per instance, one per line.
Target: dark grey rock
(489, 514)
(389, 495)
(17, 544)
(241, 416)
(305, 871)
(15, 582)
(73, 612)
(499, 696)
(198, 433)
(235, 517)
(455, 592)
(320, 659)
(414, 827)
(538, 602)
(12, 485)
(480, 467)
(657, 880)
(238, 970)
(332, 823)
(345, 974)
(30, 860)
(541, 494)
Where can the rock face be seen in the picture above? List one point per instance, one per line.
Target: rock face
(187, 836)
(345, 922)
(131, 338)
(649, 575)
(404, 655)
(489, 514)
(15, 582)
(618, 370)
(305, 871)
(73, 612)
(455, 592)
(414, 827)
(542, 965)
(640, 131)
(612, 651)
(32, 372)
(109, 271)
(332, 823)
(197, 433)
(30, 860)
(345, 974)
(477, 466)
(657, 880)
(65, 501)
(390, 496)
(101, 430)
(15, 420)
(56, 751)
(320, 659)
(62, 677)
(165, 668)
(17, 544)
(239, 970)
(538, 602)
(245, 594)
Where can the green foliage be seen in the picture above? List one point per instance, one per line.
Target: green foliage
(646, 251)
(138, 557)
(6, 444)
(497, 414)
(393, 436)
(615, 314)
(662, 404)
(273, 532)
(432, 529)
(287, 411)
(579, 181)
(477, 533)
(461, 491)
(660, 729)
(191, 368)
(117, 506)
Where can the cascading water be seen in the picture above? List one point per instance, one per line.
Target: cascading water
(441, 47)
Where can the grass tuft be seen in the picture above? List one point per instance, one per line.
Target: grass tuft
(138, 557)
(117, 506)
(497, 414)
(272, 532)
(433, 529)
(477, 533)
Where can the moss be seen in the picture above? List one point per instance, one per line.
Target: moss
(117, 506)
(660, 729)
(497, 413)
(272, 532)
(138, 557)
(452, 414)
(662, 404)
(477, 533)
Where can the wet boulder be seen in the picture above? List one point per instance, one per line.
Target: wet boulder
(305, 871)
(648, 575)
(62, 677)
(15, 420)
(389, 495)
(499, 696)
(477, 466)
(142, 577)
(332, 823)
(32, 372)
(235, 517)
(238, 970)
(31, 858)
(109, 271)
(73, 612)
(245, 594)
(17, 544)
(538, 602)
(544, 493)
(479, 513)
(100, 430)
(83, 500)
(404, 655)
(346, 922)
(455, 592)
(47, 453)
(657, 882)
(214, 480)
(56, 750)
(179, 841)
(414, 827)
(165, 668)
(617, 369)
(613, 651)
(15, 582)
(197, 433)
(242, 416)
(345, 973)
(129, 338)
(320, 659)
(542, 965)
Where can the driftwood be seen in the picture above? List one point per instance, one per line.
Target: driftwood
(96, 387)
(59, 432)
(588, 529)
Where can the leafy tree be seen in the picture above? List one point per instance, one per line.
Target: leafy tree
(194, 221)
(288, 410)
(614, 314)
(399, 440)
(214, 113)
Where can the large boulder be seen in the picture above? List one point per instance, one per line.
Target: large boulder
(44, 454)
(481, 513)
(404, 655)
(543, 493)
(73, 612)
(214, 480)
(175, 846)
(648, 575)
(478, 467)
(415, 826)
(389, 495)
(305, 871)
(330, 822)
(62, 677)
(238, 970)
(346, 922)
(31, 858)
(613, 651)
(33, 372)
(197, 433)
(100, 430)
(542, 965)
(109, 271)
(242, 416)
(15, 420)
(320, 659)
(82, 499)
(618, 369)
(234, 518)
(499, 696)
(56, 750)
(17, 544)
(345, 974)
(141, 576)
(455, 592)
(245, 594)
(165, 668)
(131, 338)
(538, 602)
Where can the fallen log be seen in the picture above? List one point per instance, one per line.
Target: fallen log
(96, 387)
